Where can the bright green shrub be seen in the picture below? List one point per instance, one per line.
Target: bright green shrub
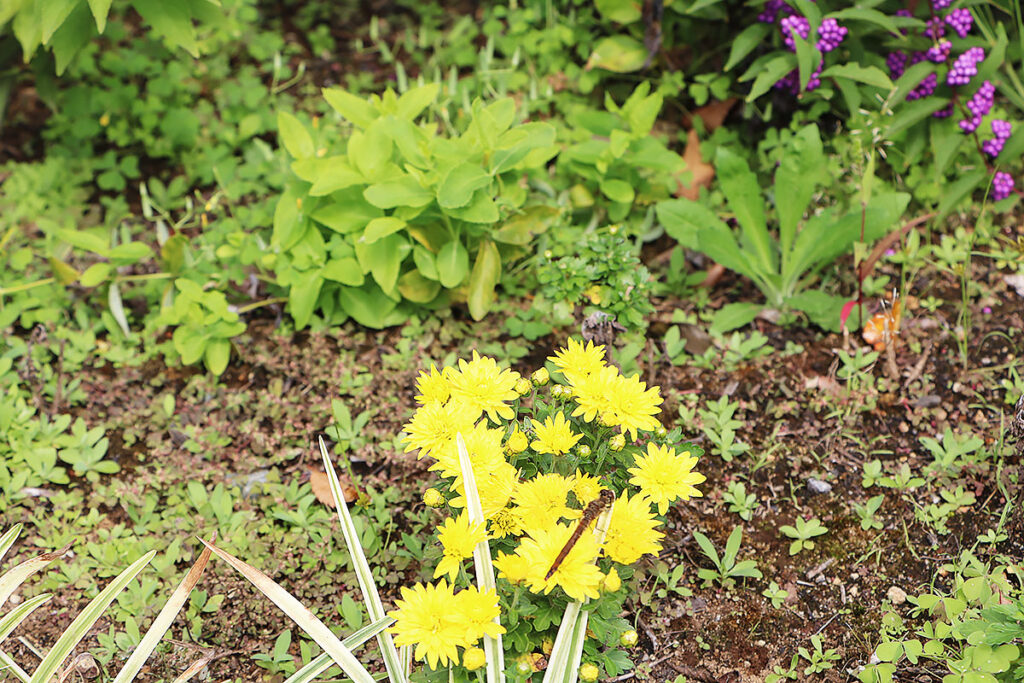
(403, 209)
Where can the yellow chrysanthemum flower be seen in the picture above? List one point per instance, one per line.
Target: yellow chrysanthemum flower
(495, 483)
(483, 444)
(611, 581)
(517, 443)
(577, 574)
(483, 386)
(619, 401)
(424, 618)
(541, 501)
(585, 487)
(664, 476)
(633, 531)
(505, 522)
(477, 610)
(513, 568)
(433, 427)
(578, 359)
(634, 406)
(458, 538)
(433, 387)
(555, 436)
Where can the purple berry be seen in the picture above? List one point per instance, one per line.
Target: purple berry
(1002, 185)
(945, 112)
(965, 67)
(771, 11)
(993, 147)
(960, 20)
(938, 5)
(935, 29)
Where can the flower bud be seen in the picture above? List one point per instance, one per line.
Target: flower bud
(613, 229)
(105, 120)
(611, 581)
(433, 498)
(541, 377)
(517, 443)
(474, 658)
(629, 638)
(523, 667)
(606, 420)
(523, 386)
(617, 443)
(588, 673)
(583, 451)
(660, 432)
(546, 646)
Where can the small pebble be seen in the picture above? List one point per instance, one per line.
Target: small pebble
(896, 595)
(818, 486)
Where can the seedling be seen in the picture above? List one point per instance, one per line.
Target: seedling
(867, 512)
(802, 533)
(740, 502)
(727, 569)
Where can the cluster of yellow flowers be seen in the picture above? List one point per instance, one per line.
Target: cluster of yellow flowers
(571, 442)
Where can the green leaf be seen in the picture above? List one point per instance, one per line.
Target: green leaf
(872, 16)
(619, 53)
(911, 113)
(333, 174)
(619, 11)
(289, 224)
(100, 10)
(95, 274)
(383, 259)
(821, 308)
(770, 73)
(801, 170)
(117, 307)
(355, 109)
(303, 294)
(521, 228)
(743, 192)
(733, 316)
(452, 264)
(414, 287)
(130, 252)
(350, 214)
(72, 35)
(483, 279)
(368, 306)
(344, 270)
(869, 75)
(216, 356)
(371, 150)
(382, 227)
(172, 21)
(413, 102)
(956, 191)
(425, 263)
(405, 191)
(459, 184)
(807, 60)
(481, 209)
(746, 42)
(295, 137)
(617, 190)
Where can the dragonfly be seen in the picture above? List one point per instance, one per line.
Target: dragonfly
(590, 513)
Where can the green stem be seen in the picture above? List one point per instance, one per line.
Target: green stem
(27, 286)
(259, 304)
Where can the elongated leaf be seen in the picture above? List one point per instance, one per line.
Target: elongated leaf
(10, 621)
(484, 278)
(481, 560)
(743, 192)
(163, 620)
(84, 622)
(371, 597)
(707, 547)
(298, 613)
(294, 135)
(869, 75)
(956, 191)
(100, 8)
(746, 42)
(799, 173)
(770, 74)
(10, 666)
(117, 307)
(355, 109)
(6, 541)
(10, 581)
(324, 661)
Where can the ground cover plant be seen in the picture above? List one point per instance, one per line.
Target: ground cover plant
(512, 341)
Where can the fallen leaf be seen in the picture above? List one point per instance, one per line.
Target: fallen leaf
(322, 487)
(712, 114)
(701, 172)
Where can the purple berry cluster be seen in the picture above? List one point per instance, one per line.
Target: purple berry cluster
(897, 63)
(1002, 130)
(979, 105)
(939, 5)
(794, 25)
(965, 67)
(1002, 185)
(771, 11)
(935, 29)
(830, 34)
(924, 88)
(939, 53)
(960, 20)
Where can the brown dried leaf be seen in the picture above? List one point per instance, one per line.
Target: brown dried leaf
(322, 487)
(712, 114)
(701, 172)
